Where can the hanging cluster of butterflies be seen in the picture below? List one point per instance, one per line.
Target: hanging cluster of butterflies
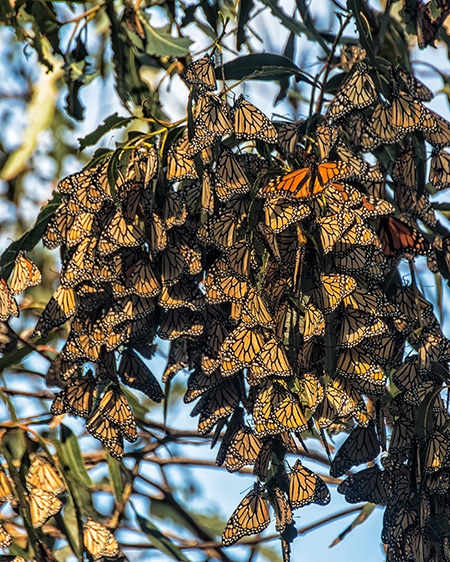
(267, 254)
(43, 485)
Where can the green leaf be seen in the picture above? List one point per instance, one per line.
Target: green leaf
(424, 420)
(72, 457)
(309, 23)
(263, 66)
(162, 44)
(365, 36)
(245, 7)
(31, 238)
(158, 539)
(129, 85)
(295, 26)
(23, 504)
(15, 358)
(114, 121)
(115, 473)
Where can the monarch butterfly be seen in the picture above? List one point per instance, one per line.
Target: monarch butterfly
(343, 195)
(251, 123)
(356, 327)
(374, 302)
(350, 54)
(60, 307)
(141, 279)
(262, 462)
(361, 259)
(173, 265)
(231, 179)
(243, 449)
(361, 446)
(123, 233)
(331, 290)
(220, 231)
(179, 164)
(333, 228)
(288, 137)
(243, 344)
(184, 293)
(314, 322)
(288, 410)
(306, 487)
(43, 476)
(264, 419)
(353, 363)
(79, 265)
(222, 285)
(107, 433)
(99, 541)
(174, 211)
(43, 505)
(234, 425)
(56, 232)
(211, 122)
(407, 113)
(256, 311)
(362, 170)
(411, 205)
(77, 398)
(343, 396)
(281, 508)
(80, 229)
(8, 305)
(180, 322)
(439, 136)
(312, 391)
(396, 520)
(25, 274)
(326, 138)
(413, 304)
(368, 485)
(207, 192)
(404, 170)
(398, 238)
(249, 518)
(201, 73)
(358, 92)
(280, 213)
(135, 373)
(306, 182)
(330, 408)
(5, 487)
(415, 87)
(200, 381)
(5, 537)
(215, 404)
(439, 169)
(428, 24)
(379, 129)
(271, 361)
(114, 406)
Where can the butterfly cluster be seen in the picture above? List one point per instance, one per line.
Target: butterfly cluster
(43, 485)
(266, 253)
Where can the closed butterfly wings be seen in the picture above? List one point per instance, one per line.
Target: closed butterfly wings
(251, 517)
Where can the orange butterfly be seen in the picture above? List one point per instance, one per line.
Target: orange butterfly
(306, 182)
(398, 238)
